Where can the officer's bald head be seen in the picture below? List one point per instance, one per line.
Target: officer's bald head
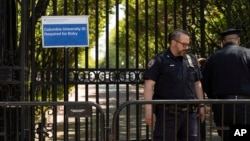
(231, 38)
(231, 35)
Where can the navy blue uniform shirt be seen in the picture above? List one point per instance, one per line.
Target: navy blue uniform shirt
(174, 76)
(227, 72)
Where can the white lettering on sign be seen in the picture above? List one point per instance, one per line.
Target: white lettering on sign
(72, 33)
(77, 110)
(62, 31)
(52, 29)
(240, 132)
(52, 33)
(71, 29)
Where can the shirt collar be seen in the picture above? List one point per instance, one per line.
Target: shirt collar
(229, 43)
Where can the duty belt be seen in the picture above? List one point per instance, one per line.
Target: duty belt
(175, 108)
(233, 97)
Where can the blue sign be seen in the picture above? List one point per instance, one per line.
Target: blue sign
(65, 31)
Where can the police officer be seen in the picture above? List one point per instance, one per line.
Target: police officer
(174, 74)
(226, 75)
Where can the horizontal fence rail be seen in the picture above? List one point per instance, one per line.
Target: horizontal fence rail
(82, 114)
(127, 123)
(128, 127)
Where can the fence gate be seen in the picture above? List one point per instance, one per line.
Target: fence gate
(123, 35)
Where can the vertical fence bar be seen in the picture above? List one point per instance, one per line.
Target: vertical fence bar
(24, 44)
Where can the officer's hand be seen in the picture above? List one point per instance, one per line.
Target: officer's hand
(149, 117)
(202, 113)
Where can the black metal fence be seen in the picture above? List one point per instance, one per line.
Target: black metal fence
(124, 35)
(88, 116)
(127, 124)
(127, 127)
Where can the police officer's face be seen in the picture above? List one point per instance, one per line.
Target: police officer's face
(181, 45)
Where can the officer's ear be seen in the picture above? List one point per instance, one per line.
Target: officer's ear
(238, 41)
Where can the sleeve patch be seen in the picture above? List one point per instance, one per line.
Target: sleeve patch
(151, 63)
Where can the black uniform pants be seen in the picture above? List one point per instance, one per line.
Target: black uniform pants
(170, 127)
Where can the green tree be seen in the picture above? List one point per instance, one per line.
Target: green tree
(148, 23)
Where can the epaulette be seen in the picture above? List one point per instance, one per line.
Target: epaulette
(160, 55)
